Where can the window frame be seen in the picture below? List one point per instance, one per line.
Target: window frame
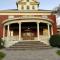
(27, 7)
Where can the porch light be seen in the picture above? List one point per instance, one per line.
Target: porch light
(28, 28)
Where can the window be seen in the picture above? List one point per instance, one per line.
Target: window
(33, 7)
(27, 0)
(22, 7)
(27, 7)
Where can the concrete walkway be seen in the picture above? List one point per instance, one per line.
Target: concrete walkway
(43, 54)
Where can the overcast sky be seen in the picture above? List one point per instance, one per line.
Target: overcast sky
(44, 4)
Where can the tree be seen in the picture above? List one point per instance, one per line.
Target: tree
(57, 10)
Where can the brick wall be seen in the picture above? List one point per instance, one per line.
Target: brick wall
(53, 17)
(2, 18)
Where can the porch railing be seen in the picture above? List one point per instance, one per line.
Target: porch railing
(16, 38)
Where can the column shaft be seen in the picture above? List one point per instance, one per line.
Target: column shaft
(19, 31)
(49, 30)
(8, 33)
(3, 32)
(38, 30)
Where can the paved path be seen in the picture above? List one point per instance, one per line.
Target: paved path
(46, 54)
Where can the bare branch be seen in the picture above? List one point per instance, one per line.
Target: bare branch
(57, 10)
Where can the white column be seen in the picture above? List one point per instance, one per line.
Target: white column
(38, 30)
(3, 32)
(20, 31)
(8, 32)
(52, 30)
(49, 30)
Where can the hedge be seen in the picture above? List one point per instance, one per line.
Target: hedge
(55, 41)
(1, 43)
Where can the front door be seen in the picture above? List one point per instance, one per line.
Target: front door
(28, 30)
(28, 35)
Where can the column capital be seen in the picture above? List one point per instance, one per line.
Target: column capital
(4, 25)
(19, 22)
(38, 22)
(48, 24)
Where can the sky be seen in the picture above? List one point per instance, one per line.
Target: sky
(44, 4)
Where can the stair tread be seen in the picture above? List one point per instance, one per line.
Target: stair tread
(28, 45)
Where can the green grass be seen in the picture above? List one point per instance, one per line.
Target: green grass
(58, 52)
(2, 55)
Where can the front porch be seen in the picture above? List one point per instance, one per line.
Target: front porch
(27, 31)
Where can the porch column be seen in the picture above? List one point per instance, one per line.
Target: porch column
(8, 32)
(20, 31)
(3, 32)
(49, 30)
(38, 30)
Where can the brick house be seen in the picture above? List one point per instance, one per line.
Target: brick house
(27, 23)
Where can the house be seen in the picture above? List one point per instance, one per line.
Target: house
(27, 23)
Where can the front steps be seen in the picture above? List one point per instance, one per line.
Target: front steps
(28, 45)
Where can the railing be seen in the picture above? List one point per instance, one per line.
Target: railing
(16, 38)
(12, 38)
(44, 39)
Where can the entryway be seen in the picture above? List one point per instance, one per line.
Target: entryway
(29, 30)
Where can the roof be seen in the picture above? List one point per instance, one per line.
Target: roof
(16, 11)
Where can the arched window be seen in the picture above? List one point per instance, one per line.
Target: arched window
(28, 7)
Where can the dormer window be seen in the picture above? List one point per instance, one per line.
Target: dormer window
(33, 7)
(28, 7)
(27, 0)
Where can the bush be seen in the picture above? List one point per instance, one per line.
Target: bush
(58, 52)
(55, 41)
(2, 55)
(1, 43)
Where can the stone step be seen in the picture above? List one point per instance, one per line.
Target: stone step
(28, 48)
(28, 45)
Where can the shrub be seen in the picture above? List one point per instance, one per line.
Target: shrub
(1, 43)
(2, 55)
(55, 41)
(58, 52)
